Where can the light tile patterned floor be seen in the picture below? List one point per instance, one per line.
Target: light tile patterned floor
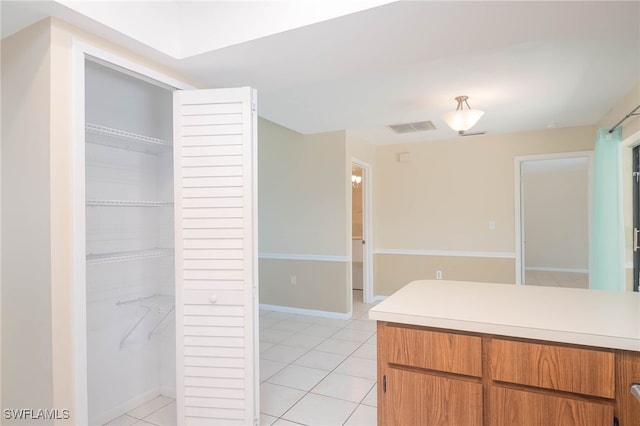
(318, 371)
(557, 279)
(313, 371)
(160, 411)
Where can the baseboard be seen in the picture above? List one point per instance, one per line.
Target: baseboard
(121, 409)
(168, 391)
(379, 298)
(310, 312)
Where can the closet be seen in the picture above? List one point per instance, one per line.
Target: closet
(130, 275)
(165, 223)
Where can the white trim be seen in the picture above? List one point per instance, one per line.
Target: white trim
(129, 67)
(367, 229)
(314, 257)
(310, 312)
(632, 140)
(554, 269)
(517, 183)
(379, 298)
(79, 285)
(124, 408)
(168, 391)
(628, 265)
(488, 254)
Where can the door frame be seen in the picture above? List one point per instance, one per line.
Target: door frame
(82, 51)
(630, 142)
(518, 193)
(367, 231)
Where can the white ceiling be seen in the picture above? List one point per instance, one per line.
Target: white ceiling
(528, 65)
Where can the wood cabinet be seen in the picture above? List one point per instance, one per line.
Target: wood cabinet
(429, 376)
(415, 398)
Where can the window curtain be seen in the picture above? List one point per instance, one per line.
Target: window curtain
(606, 252)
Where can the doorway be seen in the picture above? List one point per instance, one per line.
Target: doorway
(552, 220)
(636, 217)
(361, 256)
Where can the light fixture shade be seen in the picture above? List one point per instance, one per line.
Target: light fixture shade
(462, 119)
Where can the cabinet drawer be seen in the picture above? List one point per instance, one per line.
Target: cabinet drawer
(448, 352)
(583, 371)
(515, 407)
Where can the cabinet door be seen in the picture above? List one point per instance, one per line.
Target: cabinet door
(216, 256)
(413, 398)
(510, 407)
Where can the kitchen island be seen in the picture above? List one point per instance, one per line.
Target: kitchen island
(468, 353)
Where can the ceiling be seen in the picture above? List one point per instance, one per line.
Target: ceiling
(364, 65)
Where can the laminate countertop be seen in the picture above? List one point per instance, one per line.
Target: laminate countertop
(599, 318)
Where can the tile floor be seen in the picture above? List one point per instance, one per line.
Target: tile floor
(318, 371)
(313, 371)
(160, 411)
(557, 279)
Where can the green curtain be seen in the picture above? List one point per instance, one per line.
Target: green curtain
(606, 252)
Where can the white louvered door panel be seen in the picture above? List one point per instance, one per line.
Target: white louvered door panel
(216, 256)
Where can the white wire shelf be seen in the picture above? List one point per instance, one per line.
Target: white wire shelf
(159, 303)
(127, 256)
(115, 138)
(125, 203)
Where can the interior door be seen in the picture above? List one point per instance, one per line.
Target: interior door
(216, 255)
(636, 218)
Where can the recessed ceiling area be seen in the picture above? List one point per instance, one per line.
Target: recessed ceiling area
(526, 64)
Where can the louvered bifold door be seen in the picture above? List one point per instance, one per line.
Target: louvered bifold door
(216, 256)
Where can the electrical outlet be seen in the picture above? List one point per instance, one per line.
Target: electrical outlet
(438, 275)
(294, 280)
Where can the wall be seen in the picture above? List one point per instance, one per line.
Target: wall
(556, 219)
(27, 337)
(433, 212)
(302, 213)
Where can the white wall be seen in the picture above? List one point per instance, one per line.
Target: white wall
(27, 336)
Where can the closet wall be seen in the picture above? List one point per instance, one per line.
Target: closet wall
(129, 242)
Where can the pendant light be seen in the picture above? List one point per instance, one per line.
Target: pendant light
(462, 119)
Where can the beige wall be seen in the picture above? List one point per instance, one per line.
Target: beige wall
(303, 200)
(302, 191)
(632, 125)
(556, 219)
(393, 271)
(27, 370)
(445, 196)
(317, 285)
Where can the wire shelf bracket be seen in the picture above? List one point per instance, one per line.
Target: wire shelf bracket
(159, 303)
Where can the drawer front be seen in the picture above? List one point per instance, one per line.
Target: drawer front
(511, 407)
(448, 352)
(583, 371)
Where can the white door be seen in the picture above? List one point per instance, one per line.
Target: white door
(216, 253)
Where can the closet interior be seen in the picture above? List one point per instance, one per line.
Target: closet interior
(130, 303)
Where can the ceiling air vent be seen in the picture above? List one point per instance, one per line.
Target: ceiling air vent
(418, 126)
